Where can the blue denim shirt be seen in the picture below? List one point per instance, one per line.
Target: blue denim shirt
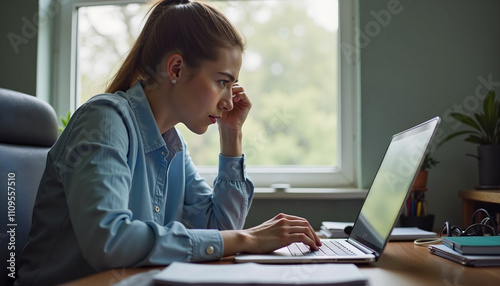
(117, 193)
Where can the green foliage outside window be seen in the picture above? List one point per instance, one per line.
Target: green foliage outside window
(289, 71)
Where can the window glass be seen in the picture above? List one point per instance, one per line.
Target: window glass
(290, 72)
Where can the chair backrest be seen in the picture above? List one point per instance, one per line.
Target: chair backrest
(28, 127)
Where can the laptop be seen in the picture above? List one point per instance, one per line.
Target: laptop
(380, 210)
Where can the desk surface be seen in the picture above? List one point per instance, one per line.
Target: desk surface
(402, 263)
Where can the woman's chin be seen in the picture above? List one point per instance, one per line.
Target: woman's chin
(200, 130)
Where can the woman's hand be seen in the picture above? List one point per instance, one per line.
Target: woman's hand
(275, 233)
(281, 231)
(235, 118)
(231, 122)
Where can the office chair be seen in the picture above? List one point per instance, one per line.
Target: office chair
(28, 127)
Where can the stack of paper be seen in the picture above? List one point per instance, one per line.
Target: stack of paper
(410, 233)
(179, 273)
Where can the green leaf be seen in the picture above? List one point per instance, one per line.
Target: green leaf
(485, 125)
(465, 119)
(475, 139)
(64, 121)
(453, 135)
(428, 162)
(489, 120)
(489, 105)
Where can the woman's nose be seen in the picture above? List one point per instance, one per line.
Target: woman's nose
(226, 102)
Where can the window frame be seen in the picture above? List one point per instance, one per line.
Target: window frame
(345, 175)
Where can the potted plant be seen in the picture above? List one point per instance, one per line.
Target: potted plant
(484, 130)
(420, 182)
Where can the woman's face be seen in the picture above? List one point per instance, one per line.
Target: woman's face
(208, 94)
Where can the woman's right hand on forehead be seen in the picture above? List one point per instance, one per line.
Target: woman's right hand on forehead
(235, 118)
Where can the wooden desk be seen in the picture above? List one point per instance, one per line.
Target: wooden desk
(402, 263)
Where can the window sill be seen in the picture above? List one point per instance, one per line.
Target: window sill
(310, 193)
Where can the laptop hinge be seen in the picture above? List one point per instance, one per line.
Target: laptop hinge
(362, 247)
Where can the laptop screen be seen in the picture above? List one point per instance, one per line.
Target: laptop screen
(391, 185)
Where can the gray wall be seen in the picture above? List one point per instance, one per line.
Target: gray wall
(425, 60)
(428, 60)
(18, 45)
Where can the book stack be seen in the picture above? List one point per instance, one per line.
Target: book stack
(470, 250)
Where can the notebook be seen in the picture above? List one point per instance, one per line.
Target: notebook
(474, 245)
(379, 212)
(467, 260)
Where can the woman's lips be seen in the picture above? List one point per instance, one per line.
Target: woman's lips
(213, 118)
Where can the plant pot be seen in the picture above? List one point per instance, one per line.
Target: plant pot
(422, 222)
(420, 182)
(489, 166)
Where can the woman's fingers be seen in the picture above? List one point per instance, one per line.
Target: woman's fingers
(235, 118)
(283, 230)
(299, 221)
(301, 231)
(300, 237)
(238, 93)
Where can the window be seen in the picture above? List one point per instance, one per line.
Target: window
(302, 127)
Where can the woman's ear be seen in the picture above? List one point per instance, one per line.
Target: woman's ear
(174, 67)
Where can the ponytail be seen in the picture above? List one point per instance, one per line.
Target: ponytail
(194, 30)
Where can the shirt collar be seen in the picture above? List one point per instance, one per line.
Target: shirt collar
(147, 125)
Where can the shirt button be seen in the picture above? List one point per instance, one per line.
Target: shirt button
(157, 209)
(163, 153)
(210, 250)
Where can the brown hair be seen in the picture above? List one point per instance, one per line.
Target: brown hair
(194, 30)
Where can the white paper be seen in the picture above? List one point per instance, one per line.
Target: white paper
(336, 224)
(410, 233)
(179, 273)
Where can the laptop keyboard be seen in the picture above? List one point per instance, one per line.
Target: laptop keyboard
(328, 248)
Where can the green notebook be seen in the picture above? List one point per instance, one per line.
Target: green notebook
(473, 245)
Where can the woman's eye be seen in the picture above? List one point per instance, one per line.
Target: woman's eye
(223, 83)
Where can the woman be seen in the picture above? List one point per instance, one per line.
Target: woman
(120, 189)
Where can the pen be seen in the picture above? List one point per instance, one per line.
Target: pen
(408, 206)
(413, 204)
(419, 208)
